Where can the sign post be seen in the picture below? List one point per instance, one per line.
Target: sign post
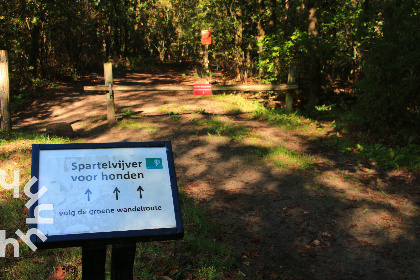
(93, 262)
(105, 193)
(122, 261)
(206, 41)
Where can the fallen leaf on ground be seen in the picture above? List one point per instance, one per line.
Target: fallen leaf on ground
(60, 274)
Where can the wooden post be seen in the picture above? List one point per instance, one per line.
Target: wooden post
(206, 63)
(291, 79)
(109, 81)
(6, 123)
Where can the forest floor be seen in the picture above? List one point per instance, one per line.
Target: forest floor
(290, 205)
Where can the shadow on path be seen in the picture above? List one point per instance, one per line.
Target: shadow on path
(337, 219)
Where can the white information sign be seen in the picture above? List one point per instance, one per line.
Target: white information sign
(106, 190)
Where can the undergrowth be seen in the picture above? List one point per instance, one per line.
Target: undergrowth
(398, 151)
(399, 157)
(278, 117)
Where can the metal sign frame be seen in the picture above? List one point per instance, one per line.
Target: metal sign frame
(113, 237)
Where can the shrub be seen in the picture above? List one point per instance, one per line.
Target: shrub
(389, 102)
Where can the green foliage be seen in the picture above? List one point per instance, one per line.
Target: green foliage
(324, 108)
(389, 101)
(279, 53)
(372, 41)
(405, 156)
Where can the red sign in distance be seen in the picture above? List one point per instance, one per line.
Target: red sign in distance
(205, 37)
(202, 89)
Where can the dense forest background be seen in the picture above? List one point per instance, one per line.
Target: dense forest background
(360, 56)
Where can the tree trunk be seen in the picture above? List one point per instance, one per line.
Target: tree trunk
(34, 55)
(239, 50)
(273, 23)
(261, 35)
(315, 90)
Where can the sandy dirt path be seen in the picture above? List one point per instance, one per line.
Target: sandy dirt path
(340, 218)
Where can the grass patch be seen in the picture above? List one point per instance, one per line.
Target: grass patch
(137, 124)
(284, 158)
(176, 119)
(281, 157)
(11, 138)
(11, 210)
(220, 128)
(237, 104)
(128, 114)
(16, 154)
(279, 118)
(170, 109)
(42, 264)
